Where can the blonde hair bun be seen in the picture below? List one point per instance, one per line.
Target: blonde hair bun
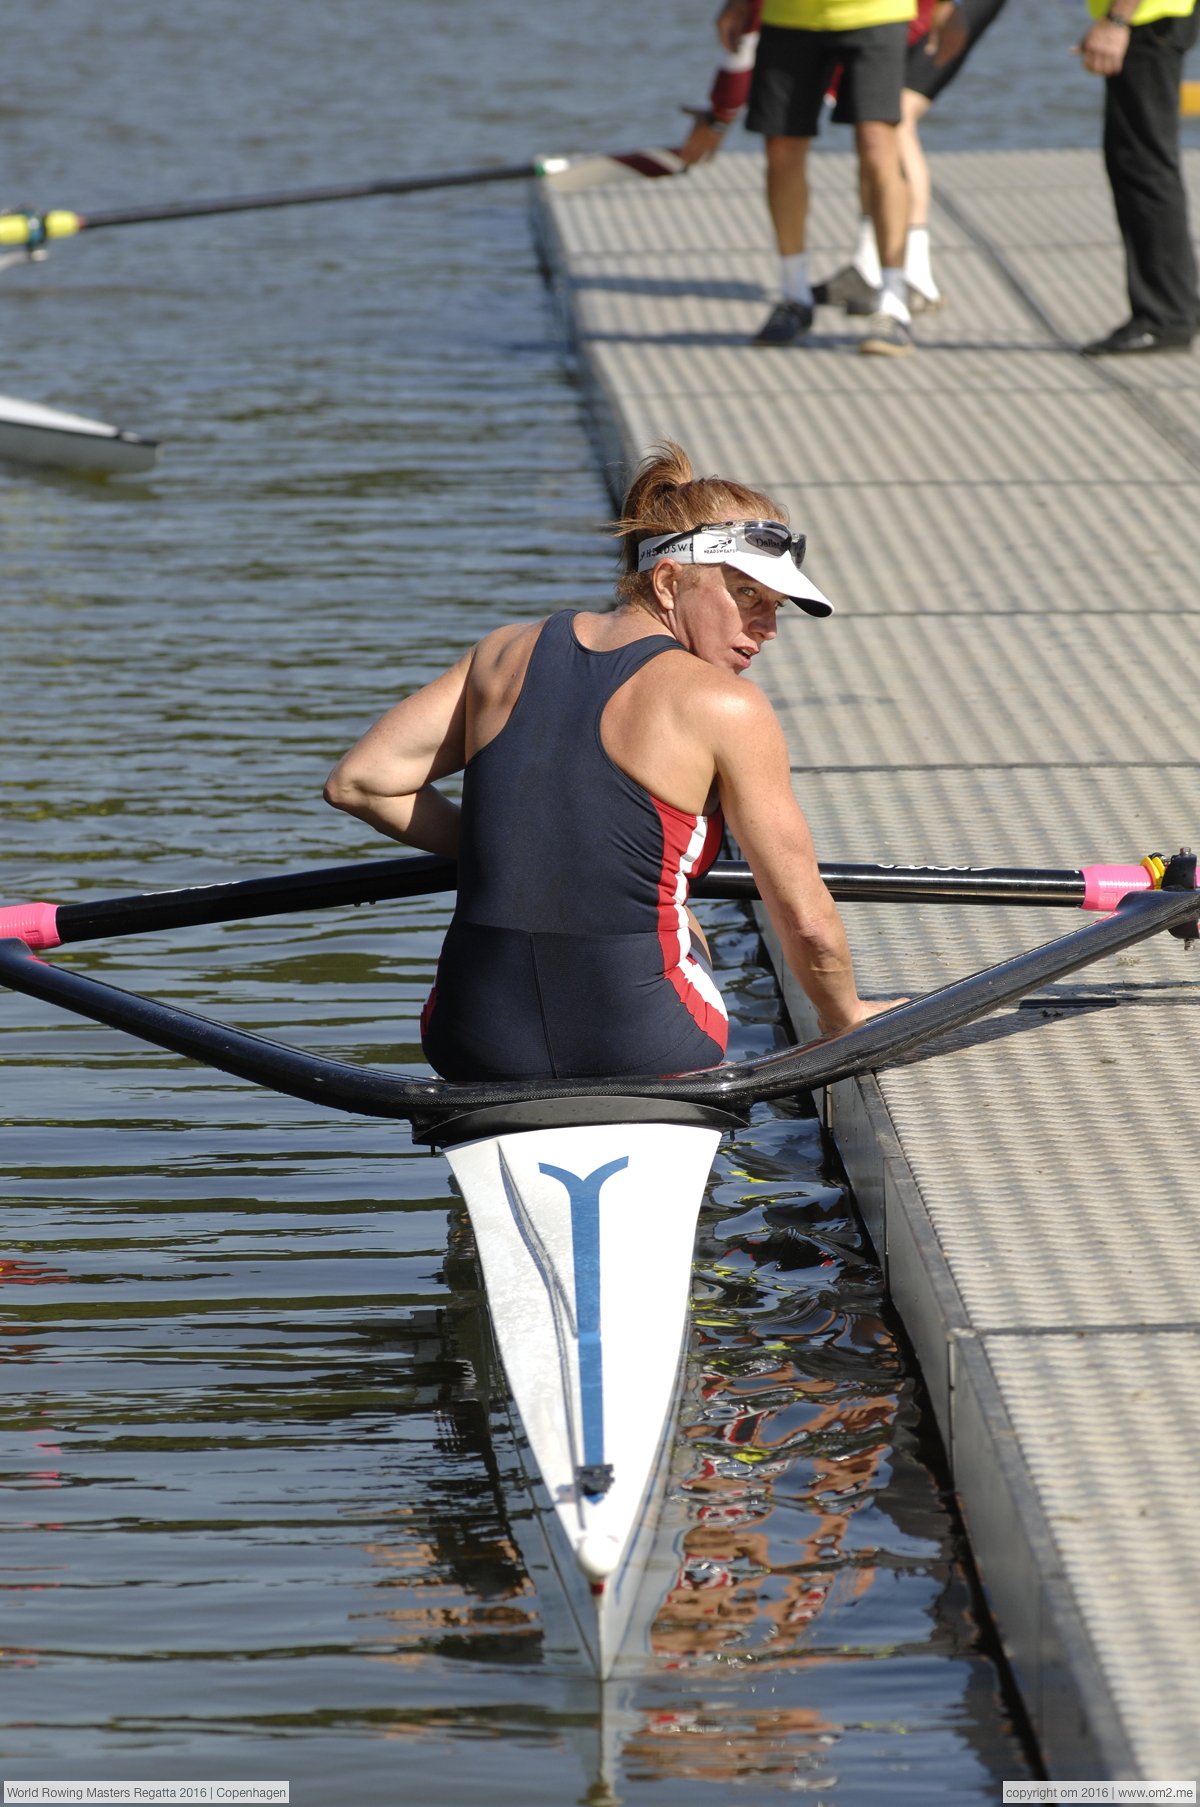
(666, 496)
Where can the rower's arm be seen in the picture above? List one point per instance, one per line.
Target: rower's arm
(389, 778)
(756, 795)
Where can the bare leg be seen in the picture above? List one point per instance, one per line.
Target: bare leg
(887, 191)
(913, 108)
(856, 287)
(787, 199)
(889, 332)
(865, 256)
(923, 291)
(787, 191)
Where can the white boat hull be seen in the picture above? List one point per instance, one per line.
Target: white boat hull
(585, 1237)
(33, 434)
(571, 175)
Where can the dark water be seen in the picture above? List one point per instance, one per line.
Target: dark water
(255, 1514)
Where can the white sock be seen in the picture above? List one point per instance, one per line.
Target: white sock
(917, 268)
(866, 252)
(894, 299)
(795, 278)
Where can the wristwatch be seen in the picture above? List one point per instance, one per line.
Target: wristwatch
(1115, 19)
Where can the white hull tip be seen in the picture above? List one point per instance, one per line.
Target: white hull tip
(47, 437)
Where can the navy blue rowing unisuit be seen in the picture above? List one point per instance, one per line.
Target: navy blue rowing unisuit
(569, 954)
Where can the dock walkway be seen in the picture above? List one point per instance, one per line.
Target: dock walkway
(1011, 534)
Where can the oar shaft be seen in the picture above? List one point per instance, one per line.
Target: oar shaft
(306, 197)
(44, 925)
(325, 889)
(1044, 887)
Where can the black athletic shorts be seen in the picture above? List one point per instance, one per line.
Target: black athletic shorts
(793, 69)
(922, 74)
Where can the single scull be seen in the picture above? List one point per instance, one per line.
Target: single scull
(33, 434)
(566, 1180)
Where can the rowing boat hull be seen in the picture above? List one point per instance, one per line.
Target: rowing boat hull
(572, 175)
(33, 434)
(585, 1237)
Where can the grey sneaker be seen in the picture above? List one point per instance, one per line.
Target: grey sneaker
(787, 321)
(887, 337)
(850, 289)
(920, 303)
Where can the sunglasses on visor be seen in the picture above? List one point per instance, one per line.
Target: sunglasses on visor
(713, 543)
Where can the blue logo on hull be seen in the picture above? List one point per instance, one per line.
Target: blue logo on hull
(584, 1194)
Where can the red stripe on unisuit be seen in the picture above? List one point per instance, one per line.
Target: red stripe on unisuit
(427, 1013)
(674, 937)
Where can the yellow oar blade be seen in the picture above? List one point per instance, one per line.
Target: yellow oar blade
(60, 223)
(28, 229)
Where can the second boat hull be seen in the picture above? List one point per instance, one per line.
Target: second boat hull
(33, 434)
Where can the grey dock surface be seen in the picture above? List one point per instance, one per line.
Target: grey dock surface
(1011, 534)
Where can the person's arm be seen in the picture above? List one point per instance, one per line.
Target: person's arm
(388, 778)
(958, 25)
(949, 33)
(730, 87)
(704, 140)
(733, 22)
(756, 794)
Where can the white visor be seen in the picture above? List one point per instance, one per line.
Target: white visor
(726, 545)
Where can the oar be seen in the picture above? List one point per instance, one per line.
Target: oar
(21, 228)
(46, 925)
(444, 1112)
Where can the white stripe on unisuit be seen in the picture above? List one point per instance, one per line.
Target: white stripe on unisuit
(691, 969)
(691, 854)
(702, 981)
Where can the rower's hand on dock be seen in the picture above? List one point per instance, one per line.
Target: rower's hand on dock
(867, 1008)
(732, 21)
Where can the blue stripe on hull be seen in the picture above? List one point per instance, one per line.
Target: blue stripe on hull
(584, 1194)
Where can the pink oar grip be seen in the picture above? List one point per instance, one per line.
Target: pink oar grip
(35, 924)
(1105, 886)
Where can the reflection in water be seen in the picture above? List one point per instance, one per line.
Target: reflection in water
(453, 1566)
(769, 1415)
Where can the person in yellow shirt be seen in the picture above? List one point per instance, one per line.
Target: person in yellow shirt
(802, 42)
(1139, 50)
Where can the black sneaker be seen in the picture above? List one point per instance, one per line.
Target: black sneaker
(887, 337)
(850, 289)
(1139, 335)
(787, 321)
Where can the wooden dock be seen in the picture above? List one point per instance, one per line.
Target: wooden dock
(1011, 534)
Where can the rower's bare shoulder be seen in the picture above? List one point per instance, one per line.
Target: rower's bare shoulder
(502, 640)
(504, 650)
(720, 696)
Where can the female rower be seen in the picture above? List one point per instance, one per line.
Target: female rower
(596, 771)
